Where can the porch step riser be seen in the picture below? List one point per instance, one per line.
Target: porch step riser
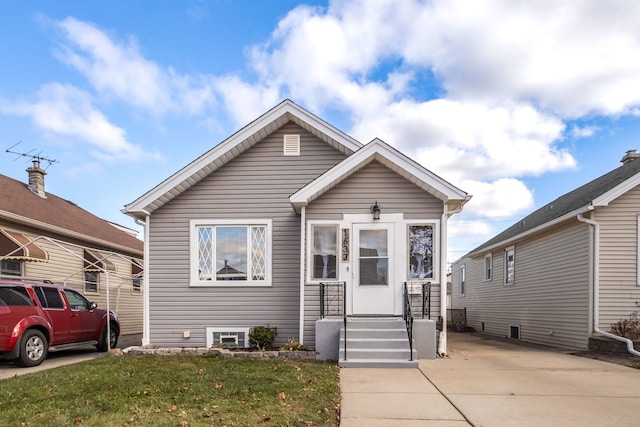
(382, 345)
(375, 324)
(385, 364)
(373, 354)
(374, 333)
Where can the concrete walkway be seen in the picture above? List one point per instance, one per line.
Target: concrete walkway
(487, 382)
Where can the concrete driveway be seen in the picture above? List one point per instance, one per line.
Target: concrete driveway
(53, 360)
(486, 382)
(66, 357)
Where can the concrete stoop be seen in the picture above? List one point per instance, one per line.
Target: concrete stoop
(376, 343)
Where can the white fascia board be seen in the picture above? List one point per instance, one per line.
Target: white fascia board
(512, 240)
(141, 204)
(377, 150)
(617, 191)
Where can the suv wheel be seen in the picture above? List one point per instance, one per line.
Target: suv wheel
(33, 348)
(113, 341)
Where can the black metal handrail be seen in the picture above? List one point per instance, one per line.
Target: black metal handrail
(337, 301)
(425, 296)
(407, 315)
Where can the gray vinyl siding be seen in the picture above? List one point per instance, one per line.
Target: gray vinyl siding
(619, 289)
(372, 183)
(550, 298)
(356, 195)
(255, 185)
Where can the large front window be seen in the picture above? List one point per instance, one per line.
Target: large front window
(230, 252)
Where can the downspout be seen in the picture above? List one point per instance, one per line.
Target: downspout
(596, 286)
(303, 227)
(145, 281)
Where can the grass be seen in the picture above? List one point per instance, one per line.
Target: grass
(174, 391)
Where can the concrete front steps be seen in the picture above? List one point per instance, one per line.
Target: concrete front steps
(376, 343)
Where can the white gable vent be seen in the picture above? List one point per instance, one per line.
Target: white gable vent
(292, 145)
(228, 337)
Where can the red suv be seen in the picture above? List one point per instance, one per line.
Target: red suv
(38, 317)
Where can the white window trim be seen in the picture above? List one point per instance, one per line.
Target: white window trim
(488, 256)
(309, 237)
(463, 280)
(510, 248)
(436, 250)
(193, 253)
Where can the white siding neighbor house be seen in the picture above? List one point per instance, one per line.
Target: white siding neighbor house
(46, 237)
(564, 274)
(292, 224)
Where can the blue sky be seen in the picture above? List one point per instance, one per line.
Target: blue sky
(514, 102)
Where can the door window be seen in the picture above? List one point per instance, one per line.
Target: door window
(373, 257)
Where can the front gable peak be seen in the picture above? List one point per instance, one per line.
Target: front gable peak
(391, 158)
(236, 144)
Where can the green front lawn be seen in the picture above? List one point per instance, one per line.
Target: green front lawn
(174, 391)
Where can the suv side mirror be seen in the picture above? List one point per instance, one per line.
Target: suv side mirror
(92, 305)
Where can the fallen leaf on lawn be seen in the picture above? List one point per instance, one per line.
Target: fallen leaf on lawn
(173, 408)
(282, 396)
(79, 419)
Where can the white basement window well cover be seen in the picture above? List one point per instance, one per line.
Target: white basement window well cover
(291, 145)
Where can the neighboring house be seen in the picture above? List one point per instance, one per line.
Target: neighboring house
(565, 272)
(44, 237)
(245, 234)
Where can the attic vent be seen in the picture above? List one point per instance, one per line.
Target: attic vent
(228, 337)
(292, 145)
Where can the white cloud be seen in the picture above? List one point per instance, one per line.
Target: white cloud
(120, 71)
(470, 140)
(68, 112)
(572, 57)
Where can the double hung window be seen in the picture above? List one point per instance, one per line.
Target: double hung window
(231, 252)
(488, 267)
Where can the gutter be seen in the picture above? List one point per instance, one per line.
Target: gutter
(303, 230)
(446, 214)
(145, 281)
(596, 286)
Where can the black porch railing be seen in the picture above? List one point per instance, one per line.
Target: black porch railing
(333, 303)
(420, 295)
(407, 315)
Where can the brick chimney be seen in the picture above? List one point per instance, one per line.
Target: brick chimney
(629, 156)
(36, 179)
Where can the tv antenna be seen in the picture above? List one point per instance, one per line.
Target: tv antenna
(34, 157)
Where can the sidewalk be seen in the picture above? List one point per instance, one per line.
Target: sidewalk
(487, 382)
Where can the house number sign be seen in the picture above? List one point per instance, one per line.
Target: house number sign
(345, 244)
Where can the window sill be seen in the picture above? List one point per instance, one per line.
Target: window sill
(228, 285)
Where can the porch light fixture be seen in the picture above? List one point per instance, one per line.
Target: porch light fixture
(375, 210)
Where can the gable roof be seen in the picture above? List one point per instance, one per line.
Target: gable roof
(599, 192)
(233, 146)
(391, 158)
(53, 214)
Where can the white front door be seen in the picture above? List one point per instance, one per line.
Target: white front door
(373, 265)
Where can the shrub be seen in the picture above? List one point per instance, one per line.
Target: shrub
(261, 337)
(628, 328)
(293, 345)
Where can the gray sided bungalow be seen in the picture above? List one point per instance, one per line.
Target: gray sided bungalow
(563, 274)
(292, 224)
